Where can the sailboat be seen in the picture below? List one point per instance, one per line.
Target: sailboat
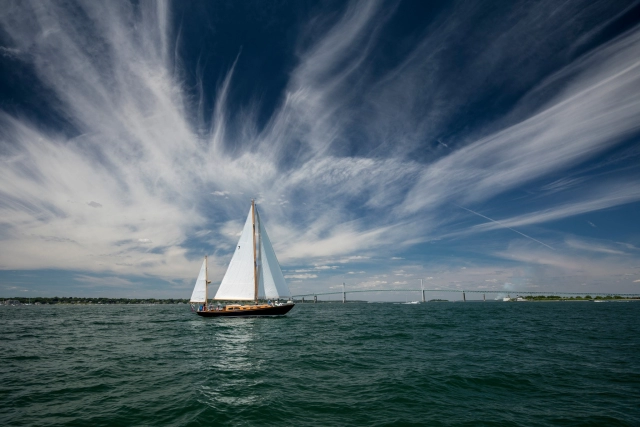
(253, 275)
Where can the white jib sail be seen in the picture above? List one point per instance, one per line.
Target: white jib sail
(238, 282)
(272, 283)
(200, 289)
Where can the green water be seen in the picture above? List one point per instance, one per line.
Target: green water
(474, 363)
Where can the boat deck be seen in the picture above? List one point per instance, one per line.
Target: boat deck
(236, 310)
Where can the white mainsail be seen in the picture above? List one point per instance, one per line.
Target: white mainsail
(272, 283)
(200, 289)
(238, 282)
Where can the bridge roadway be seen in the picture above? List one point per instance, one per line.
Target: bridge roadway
(469, 292)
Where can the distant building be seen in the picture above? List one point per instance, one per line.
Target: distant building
(12, 302)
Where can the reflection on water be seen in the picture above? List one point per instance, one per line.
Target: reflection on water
(230, 362)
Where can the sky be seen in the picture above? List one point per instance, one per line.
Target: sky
(474, 145)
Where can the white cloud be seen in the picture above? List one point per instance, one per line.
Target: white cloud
(9, 52)
(371, 284)
(353, 258)
(612, 194)
(138, 151)
(589, 116)
(592, 247)
(325, 267)
(569, 266)
(300, 276)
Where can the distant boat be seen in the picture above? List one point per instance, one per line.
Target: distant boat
(253, 275)
(518, 298)
(411, 302)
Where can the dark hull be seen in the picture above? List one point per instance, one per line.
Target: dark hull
(280, 310)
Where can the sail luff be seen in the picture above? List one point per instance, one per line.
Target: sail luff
(255, 263)
(259, 256)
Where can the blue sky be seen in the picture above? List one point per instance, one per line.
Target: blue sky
(475, 145)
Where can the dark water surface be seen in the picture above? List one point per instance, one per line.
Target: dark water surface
(560, 363)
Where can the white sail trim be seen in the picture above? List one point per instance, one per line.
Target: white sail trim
(272, 283)
(200, 289)
(238, 282)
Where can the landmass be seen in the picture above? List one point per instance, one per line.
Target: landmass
(81, 300)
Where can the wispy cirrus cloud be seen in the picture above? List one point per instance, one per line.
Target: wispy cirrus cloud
(301, 276)
(601, 197)
(597, 268)
(597, 247)
(347, 163)
(592, 114)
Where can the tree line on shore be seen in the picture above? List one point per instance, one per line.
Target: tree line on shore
(100, 300)
(578, 298)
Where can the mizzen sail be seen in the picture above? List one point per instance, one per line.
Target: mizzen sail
(200, 289)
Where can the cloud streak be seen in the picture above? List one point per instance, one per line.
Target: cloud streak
(344, 165)
(601, 198)
(504, 226)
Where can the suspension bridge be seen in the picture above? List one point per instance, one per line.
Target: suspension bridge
(423, 292)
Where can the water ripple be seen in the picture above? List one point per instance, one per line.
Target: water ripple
(323, 364)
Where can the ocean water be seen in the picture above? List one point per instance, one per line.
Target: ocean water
(474, 363)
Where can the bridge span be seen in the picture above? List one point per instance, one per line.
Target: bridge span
(344, 293)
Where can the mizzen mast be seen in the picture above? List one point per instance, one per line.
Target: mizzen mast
(206, 281)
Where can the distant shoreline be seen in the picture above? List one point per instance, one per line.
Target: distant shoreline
(160, 301)
(89, 301)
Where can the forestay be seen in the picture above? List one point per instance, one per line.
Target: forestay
(200, 289)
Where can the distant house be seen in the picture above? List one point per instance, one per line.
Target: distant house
(12, 302)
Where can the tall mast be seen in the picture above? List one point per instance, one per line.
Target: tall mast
(206, 281)
(255, 264)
